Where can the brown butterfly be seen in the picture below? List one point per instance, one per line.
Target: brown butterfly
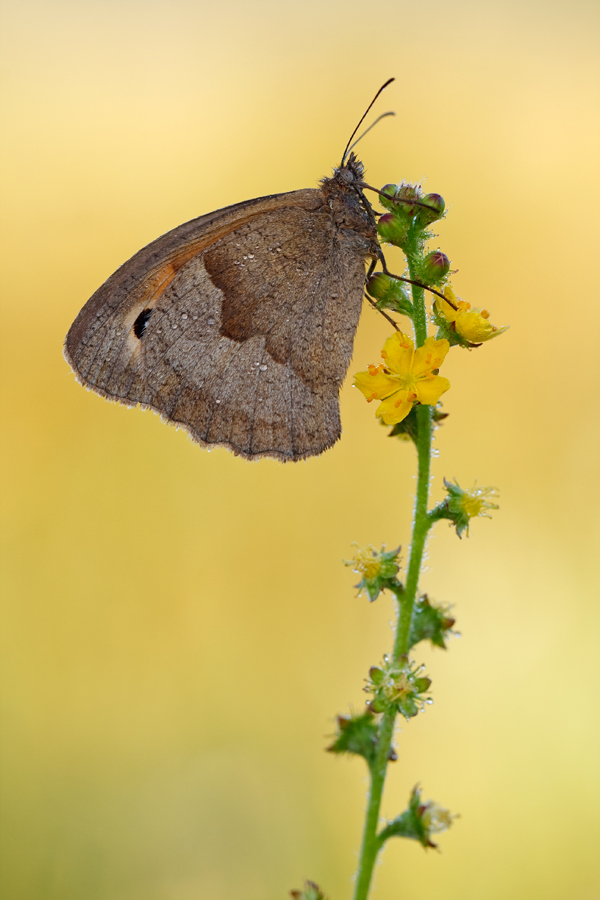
(239, 325)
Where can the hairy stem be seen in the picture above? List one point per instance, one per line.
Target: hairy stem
(371, 843)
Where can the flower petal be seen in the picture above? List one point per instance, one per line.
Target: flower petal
(375, 387)
(430, 356)
(395, 408)
(398, 352)
(475, 328)
(444, 308)
(429, 390)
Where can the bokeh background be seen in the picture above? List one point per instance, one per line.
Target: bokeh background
(179, 631)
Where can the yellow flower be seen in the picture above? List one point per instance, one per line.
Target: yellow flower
(475, 501)
(471, 324)
(464, 505)
(365, 562)
(407, 376)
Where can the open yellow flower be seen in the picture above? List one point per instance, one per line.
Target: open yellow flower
(406, 377)
(470, 323)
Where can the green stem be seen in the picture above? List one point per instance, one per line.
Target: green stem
(421, 526)
(371, 843)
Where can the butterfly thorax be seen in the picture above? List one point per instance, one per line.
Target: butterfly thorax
(350, 208)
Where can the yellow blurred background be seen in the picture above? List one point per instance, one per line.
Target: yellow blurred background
(179, 631)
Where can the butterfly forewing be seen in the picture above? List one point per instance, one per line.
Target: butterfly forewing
(238, 325)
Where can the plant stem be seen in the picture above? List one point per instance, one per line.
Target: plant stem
(371, 843)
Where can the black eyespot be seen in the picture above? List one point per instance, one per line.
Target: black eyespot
(141, 323)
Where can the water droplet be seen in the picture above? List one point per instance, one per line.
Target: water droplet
(278, 249)
(184, 315)
(244, 257)
(175, 326)
(334, 296)
(328, 346)
(259, 399)
(262, 367)
(429, 701)
(457, 634)
(210, 321)
(217, 401)
(98, 315)
(194, 318)
(251, 256)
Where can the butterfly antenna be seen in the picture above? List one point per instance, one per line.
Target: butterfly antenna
(378, 119)
(382, 88)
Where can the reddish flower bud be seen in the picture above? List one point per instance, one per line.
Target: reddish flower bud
(392, 229)
(434, 267)
(435, 209)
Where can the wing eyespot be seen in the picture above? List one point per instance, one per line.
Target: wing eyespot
(141, 323)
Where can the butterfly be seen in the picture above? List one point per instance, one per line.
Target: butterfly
(239, 325)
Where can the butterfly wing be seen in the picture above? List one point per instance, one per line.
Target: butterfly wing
(238, 326)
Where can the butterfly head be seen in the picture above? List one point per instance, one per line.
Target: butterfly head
(351, 171)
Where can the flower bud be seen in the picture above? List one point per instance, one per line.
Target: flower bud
(390, 293)
(399, 196)
(434, 267)
(435, 210)
(378, 285)
(390, 191)
(404, 194)
(392, 229)
(376, 674)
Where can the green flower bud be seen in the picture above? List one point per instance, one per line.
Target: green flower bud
(376, 674)
(392, 229)
(399, 198)
(390, 191)
(379, 285)
(434, 267)
(425, 217)
(389, 293)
